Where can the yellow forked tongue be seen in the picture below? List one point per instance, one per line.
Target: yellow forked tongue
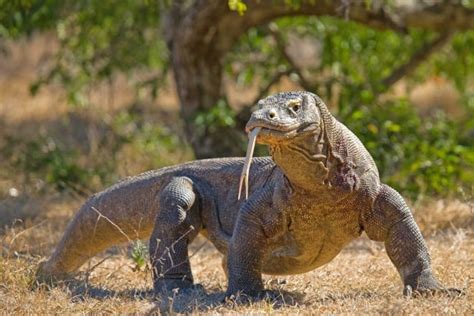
(248, 160)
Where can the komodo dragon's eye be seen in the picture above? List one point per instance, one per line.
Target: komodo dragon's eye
(294, 105)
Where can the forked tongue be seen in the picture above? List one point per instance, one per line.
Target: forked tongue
(244, 176)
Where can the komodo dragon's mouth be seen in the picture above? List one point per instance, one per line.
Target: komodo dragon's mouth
(253, 130)
(270, 127)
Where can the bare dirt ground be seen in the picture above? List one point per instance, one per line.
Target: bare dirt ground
(361, 280)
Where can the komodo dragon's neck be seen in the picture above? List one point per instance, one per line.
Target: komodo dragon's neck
(308, 160)
(303, 161)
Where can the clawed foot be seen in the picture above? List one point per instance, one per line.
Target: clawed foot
(425, 284)
(243, 298)
(173, 288)
(408, 291)
(175, 296)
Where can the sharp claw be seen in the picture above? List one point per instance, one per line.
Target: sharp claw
(426, 292)
(408, 291)
(244, 176)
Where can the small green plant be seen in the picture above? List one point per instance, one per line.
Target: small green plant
(139, 255)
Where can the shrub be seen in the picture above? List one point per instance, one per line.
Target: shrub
(417, 155)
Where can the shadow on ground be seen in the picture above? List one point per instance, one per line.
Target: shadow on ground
(196, 300)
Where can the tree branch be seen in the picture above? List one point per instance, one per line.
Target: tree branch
(273, 31)
(416, 59)
(437, 15)
(440, 16)
(243, 115)
(276, 78)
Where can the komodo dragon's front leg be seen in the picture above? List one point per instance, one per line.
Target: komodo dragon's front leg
(259, 221)
(391, 221)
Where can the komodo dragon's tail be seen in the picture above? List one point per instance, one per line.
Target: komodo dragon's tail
(94, 228)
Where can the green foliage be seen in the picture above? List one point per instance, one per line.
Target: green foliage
(50, 161)
(238, 5)
(456, 63)
(255, 57)
(417, 155)
(354, 57)
(128, 138)
(414, 154)
(158, 142)
(354, 60)
(99, 39)
(19, 17)
(218, 116)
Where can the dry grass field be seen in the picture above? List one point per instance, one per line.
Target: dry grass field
(361, 280)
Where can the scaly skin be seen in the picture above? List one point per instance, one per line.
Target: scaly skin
(318, 191)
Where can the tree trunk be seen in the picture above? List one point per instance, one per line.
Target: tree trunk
(199, 33)
(196, 54)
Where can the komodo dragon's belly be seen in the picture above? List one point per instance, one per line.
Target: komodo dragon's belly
(314, 237)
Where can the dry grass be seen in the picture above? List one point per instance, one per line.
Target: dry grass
(360, 280)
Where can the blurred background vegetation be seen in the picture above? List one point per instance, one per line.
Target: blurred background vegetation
(92, 91)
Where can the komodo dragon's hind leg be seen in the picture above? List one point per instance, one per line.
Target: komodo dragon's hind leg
(176, 225)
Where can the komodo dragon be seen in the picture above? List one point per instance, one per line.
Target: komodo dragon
(318, 191)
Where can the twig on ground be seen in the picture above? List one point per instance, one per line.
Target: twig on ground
(111, 222)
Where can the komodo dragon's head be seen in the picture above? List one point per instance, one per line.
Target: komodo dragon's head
(283, 117)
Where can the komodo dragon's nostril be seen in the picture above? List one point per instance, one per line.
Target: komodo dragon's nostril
(272, 114)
